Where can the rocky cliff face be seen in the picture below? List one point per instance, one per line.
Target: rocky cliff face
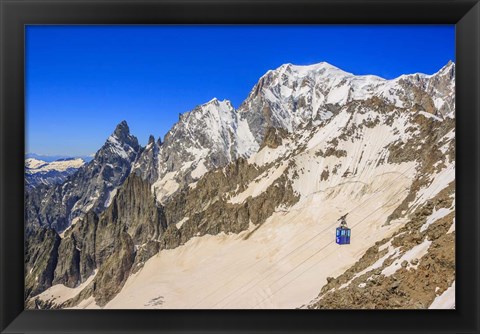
(147, 164)
(305, 135)
(125, 230)
(41, 259)
(92, 187)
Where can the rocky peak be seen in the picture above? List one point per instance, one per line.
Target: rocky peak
(322, 69)
(146, 165)
(122, 134)
(209, 136)
(215, 105)
(441, 88)
(122, 130)
(121, 144)
(214, 101)
(447, 73)
(448, 69)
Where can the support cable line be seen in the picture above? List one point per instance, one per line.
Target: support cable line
(254, 264)
(311, 256)
(378, 192)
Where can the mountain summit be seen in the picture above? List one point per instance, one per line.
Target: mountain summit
(122, 133)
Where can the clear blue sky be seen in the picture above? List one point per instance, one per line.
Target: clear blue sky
(83, 80)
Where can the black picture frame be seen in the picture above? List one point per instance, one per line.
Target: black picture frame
(465, 14)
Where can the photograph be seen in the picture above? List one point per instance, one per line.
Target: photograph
(242, 167)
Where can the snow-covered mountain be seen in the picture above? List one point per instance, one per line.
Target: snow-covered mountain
(292, 96)
(210, 136)
(240, 205)
(48, 173)
(289, 97)
(51, 158)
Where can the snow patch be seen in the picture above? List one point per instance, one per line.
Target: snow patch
(416, 252)
(200, 170)
(428, 115)
(181, 222)
(117, 148)
(260, 184)
(110, 197)
(436, 215)
(446, 300)
(60, 293)
(165, 186)
(438, 182)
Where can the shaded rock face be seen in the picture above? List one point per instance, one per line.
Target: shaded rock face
(209, 211)
(147, 164)
(114, 271)
(134, 227)
(133, 220)
(41, 256)
(273, 138)
(87, 189)
(84, 235)
(67, 271)
(133, 211)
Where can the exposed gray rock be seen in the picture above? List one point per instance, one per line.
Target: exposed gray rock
(41, 256)
(146, 165)
(67, 271)
(114, 272)
(133, 217)
(89, 188)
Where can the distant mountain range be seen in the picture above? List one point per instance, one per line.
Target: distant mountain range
(49, 173)
(51, 158)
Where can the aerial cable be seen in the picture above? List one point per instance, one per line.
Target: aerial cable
(316, 235)
(303, 272)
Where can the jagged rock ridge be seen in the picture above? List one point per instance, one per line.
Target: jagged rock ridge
(90, 188)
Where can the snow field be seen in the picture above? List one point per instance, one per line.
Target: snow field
(279, 266)
(61, 293)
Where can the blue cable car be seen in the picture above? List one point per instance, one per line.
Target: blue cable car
(343, 232)
(343, 235)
